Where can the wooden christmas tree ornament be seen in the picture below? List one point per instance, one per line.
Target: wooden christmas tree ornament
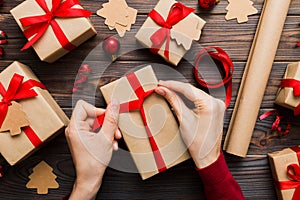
(118, 15)
(42, 178)
(15, 119)
(240, 10)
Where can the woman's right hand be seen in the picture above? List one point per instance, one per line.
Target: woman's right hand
(201, 128)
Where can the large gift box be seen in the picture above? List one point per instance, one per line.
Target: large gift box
(289, 93)
(149, 128)
(285, 170)
(53, 27)
(170, 30)
(29, 116)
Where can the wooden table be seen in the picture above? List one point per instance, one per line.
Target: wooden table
(181, 182)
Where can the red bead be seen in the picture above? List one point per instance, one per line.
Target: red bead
(3, 37)
(111, 45)
(1, 2)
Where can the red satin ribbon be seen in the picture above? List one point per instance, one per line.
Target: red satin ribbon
(177, 12)
(220, 55)
(276, 124)
(295, 84)
(293, 172)
(18, 90)
(138, 105)
(83, 72)
(36, 26)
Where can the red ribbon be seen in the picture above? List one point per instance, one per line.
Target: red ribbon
(177, 12)
(18, 90)
(293, 172)
(83, 72)
(220, 55)
(138, 105)
(276, 124)
(295, 84)
(36, 26)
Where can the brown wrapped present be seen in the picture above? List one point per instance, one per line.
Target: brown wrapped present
(53, 32)
(148, 126)
(170, 30)
(289, 93)
(285, 169)
(28, 114)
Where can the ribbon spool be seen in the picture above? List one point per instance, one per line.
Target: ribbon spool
(218, 54)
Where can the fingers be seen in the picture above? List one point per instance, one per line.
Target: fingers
(186, 89)
(118, 134)
(83, 110)
(110, 124)
(176, 102)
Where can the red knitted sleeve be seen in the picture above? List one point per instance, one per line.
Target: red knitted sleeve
(218, 181)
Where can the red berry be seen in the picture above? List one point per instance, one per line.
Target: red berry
(1, 51)
(3, 37)
(208, 4)
(111, 45)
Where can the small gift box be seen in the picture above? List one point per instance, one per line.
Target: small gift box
(53, 27)
(170, 30)
(289, 93)
(28, 114)
(148, 126)
(286, 172)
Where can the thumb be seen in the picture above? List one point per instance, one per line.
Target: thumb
(175, 101)
(110, 123)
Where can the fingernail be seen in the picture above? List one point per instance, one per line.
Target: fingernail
(160, 91)
(115, 105)
(119, 133)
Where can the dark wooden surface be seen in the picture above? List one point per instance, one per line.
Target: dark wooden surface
(181, 182)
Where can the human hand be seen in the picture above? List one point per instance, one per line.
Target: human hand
(200, 127)
(91, 152)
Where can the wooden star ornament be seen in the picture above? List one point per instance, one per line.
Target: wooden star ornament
(118, 15)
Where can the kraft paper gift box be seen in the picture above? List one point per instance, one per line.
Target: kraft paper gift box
(285, 96)
(161, 122)
(279, 161)
(76, 30)
(182, 33)
(45, 118)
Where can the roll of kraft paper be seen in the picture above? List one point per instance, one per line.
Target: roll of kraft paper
(255, 77)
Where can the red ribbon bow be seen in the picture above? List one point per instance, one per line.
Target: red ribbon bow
(293, 172)
(37, 25)
(138, 105)
(177, 12)
(295, 84)
(18, 90)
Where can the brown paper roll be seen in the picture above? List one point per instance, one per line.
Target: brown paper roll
(256, 76)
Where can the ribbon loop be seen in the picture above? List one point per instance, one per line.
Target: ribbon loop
(295, 84)
(177, 12)
(218, 54)
(36, 26)
(138, 105)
